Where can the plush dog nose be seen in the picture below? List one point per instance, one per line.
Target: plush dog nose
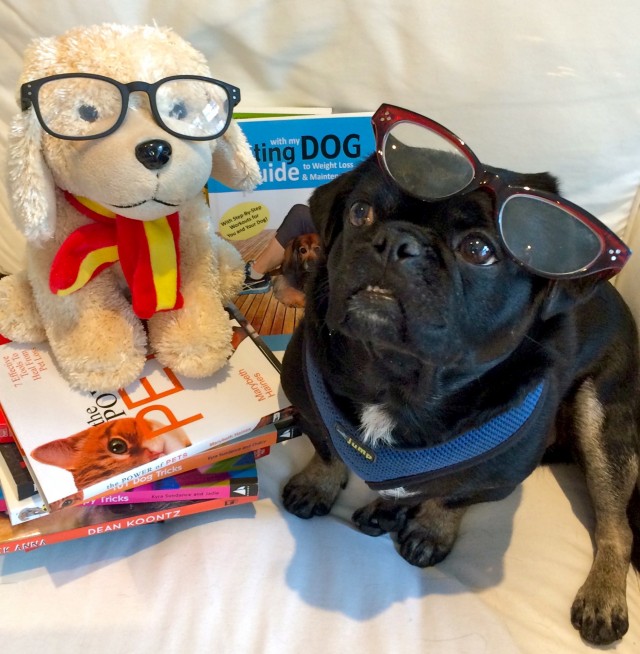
(397, 245)
(153, 154)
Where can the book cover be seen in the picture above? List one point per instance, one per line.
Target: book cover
(296, 154)
(81, 445)
(82, 521)
(19, 477)
(257, 443)
(234, 477)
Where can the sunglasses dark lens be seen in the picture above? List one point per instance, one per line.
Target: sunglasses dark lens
(546, 237)
(425, 163)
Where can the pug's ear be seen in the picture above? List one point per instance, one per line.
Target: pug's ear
(327, 204)
(539, 181)
(563, 295)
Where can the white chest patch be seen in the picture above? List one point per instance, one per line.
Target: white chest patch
(376, 426)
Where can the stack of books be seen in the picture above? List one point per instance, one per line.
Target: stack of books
(79, 464)
(75, 464)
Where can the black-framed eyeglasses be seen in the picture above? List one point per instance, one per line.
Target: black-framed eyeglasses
(83, 106)
(544, 232)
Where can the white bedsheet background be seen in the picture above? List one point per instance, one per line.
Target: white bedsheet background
(254, 580)
(551, 85)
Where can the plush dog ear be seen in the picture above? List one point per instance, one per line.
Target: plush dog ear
(30, 180)
(233, 163)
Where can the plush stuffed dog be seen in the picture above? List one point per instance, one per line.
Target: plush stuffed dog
(119, 131)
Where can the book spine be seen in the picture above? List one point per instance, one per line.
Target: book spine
(40, 540)
(20, 478)
(240, 488)
(6, 435)
(264, 436)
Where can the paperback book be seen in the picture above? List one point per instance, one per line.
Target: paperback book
(296, 154)
(234, 477)
(80, 446)
(82, 521)
(18, 476)
(18, 510)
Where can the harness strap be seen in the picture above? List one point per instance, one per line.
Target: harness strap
(383, 467)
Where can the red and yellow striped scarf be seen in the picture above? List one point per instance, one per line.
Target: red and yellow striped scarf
(147, 250)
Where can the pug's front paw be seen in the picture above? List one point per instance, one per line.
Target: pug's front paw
(314, 490)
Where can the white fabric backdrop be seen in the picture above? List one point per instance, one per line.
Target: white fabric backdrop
(547, 85)
(550, 85)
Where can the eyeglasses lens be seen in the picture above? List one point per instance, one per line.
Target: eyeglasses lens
(79, 106)
(194, 108)
(424, 163)
(545, 236)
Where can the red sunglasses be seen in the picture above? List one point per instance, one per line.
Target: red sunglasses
(545, 233)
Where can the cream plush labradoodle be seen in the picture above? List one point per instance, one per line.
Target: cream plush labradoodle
(106, 181)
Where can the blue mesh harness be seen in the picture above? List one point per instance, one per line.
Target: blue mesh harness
(384, 467)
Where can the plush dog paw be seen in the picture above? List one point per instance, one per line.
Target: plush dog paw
(600, 614)
(193, 341)
(19, 317)
(314, 491)
(111, 366)
(380, 517)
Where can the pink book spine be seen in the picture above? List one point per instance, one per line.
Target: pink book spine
(140, 495)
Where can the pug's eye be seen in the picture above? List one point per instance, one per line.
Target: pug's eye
(361, 213)
(477, 251)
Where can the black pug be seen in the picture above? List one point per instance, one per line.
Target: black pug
(421, 332)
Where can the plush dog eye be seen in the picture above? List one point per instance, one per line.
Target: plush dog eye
(477, 251)
(361, 213)
(178, 111)
(88, 113)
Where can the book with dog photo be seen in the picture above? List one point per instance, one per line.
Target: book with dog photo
(82, 445)
(295, 154)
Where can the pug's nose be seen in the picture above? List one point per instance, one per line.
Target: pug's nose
(397, 245)
(153, 154)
